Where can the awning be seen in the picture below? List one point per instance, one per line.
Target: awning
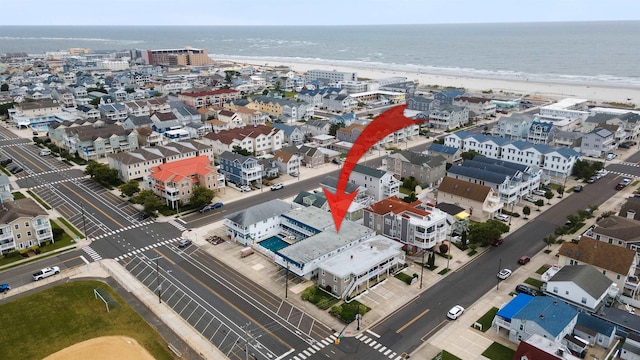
(462, 215)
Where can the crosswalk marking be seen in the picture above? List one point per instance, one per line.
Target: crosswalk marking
(149, 247)
(102, 236)
(94, 255)
(178, 225)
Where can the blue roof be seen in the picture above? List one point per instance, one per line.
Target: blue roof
(478, 173)
(514, 306)
(500, 162)
(549, 313)
(519, 144)
(450, 150)
(595, 324)
(287, 129)
(453, 93)
(543, 124)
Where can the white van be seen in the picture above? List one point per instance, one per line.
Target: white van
(45, 152)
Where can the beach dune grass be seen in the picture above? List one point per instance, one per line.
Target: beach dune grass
(50, 320)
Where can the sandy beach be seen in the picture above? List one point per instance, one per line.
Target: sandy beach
(598, 93)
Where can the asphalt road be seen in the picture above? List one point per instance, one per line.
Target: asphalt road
(415, 323)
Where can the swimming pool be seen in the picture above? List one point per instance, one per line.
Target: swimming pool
(273, 243)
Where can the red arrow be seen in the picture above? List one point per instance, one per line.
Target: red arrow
(386, 123)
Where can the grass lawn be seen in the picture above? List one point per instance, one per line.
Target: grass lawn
(498, 351)
(487, 318)
(542, 269)
(535, 282)
(319, 298)
(53, 319)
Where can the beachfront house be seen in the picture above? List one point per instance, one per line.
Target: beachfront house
(448, 117)
(597, 143)
(479, 201)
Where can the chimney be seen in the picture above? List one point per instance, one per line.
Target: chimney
(631, 214)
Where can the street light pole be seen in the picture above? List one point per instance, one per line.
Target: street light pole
(84, 223)
(158, 279)
(422, 267)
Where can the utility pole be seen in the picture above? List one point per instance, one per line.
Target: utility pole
(286, 282)
(158, 286)
(84, 223)
(421, 268)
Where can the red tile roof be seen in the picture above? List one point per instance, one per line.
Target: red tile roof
(177, 170)
(397, 206)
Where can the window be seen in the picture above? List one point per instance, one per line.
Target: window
(335, 289)
(335, 278)
(26, 224)
(584, 300)
(555, 289)
(16, 226)
(346, 278)
(29, 233)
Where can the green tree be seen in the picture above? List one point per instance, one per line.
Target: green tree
(411, 198)
(102, 174)
(548, 195)
(539, 203)
(526, 211)
(463, 240)
(130, 90)
(443, 248)
(487, 232)
(129, 188)
(242, 151)
(432, 259)
(149, 200)
(201, 196)
(95, 101)
(265, 92)
(560, 231)
(549, 240)
(469, 155)
(333, 129)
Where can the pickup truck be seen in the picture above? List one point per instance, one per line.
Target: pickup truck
(46, 272)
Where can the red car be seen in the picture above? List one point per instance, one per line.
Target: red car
(524, 259)
(497, 242)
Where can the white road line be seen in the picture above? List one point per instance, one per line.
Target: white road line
(372, 333)
(83, 259)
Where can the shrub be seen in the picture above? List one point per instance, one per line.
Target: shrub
(404, 277)
(443, 248)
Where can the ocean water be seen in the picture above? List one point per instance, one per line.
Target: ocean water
(582, 52)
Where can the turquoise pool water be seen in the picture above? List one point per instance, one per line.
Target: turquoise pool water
(273, 243)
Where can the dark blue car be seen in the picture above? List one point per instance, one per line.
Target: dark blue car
(4, 288)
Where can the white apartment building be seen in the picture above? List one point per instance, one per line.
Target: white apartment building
(256, 223)
(379, 184)
(332, 75)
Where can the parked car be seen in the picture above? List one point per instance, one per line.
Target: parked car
(16, 170)
(211, 207)
(455, 312)
(45, 152)
(501, 217)
(497, 242)
(626, 181)
(611, 156)
(538, 192)
(577, 188)
(524, 259)
(245, 188)
(546, 188)
(524, 289)
(530, 198)
(6, 162)
(592, 179)
(46, 272)
(504, 273)
(4, 288)
(277, 186)
(184, 243)
(620, 186)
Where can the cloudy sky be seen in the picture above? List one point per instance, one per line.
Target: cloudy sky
(307, 12)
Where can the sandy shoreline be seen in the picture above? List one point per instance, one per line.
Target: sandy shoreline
(598, 93)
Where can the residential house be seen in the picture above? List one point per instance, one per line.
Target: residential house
(186, 114)
(540, 132)
(316, 199)
(113, 112)
(598, 142)
(197, 130)
(292, 134)
(87, 112)
(207, 98)
(249, 116)
(311, 156)
(286, 162)
(158, 104)
(456, 217)
(232, 118)
(417, 226)
(545, 316)
(421, 104)
(94, 141)
(339, 102)
(480, 201)
(34, 114)
(174, 182)
(136, 122)
(447, 96)
(377, 183)
(619, 231)
(64, 97)
(595, 330)
(426, 170)
(138, 108)
(148, 137)
(136, 164)
(256, 223)
(165, 121)
(345, 119)
(449, 153)
(483, 108)
(448, 117)
(315, 97)
(316, 127)
(537, 347)
(5, 189)
(631, 208)
(556, 162)
(360, 266)
(510, 180)
(270, 168)
(567, 139)
(582, 286)
(631, 347)
(292, 110)
(513, 127)
(258, 139)
(23, 224)
(240, 169)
